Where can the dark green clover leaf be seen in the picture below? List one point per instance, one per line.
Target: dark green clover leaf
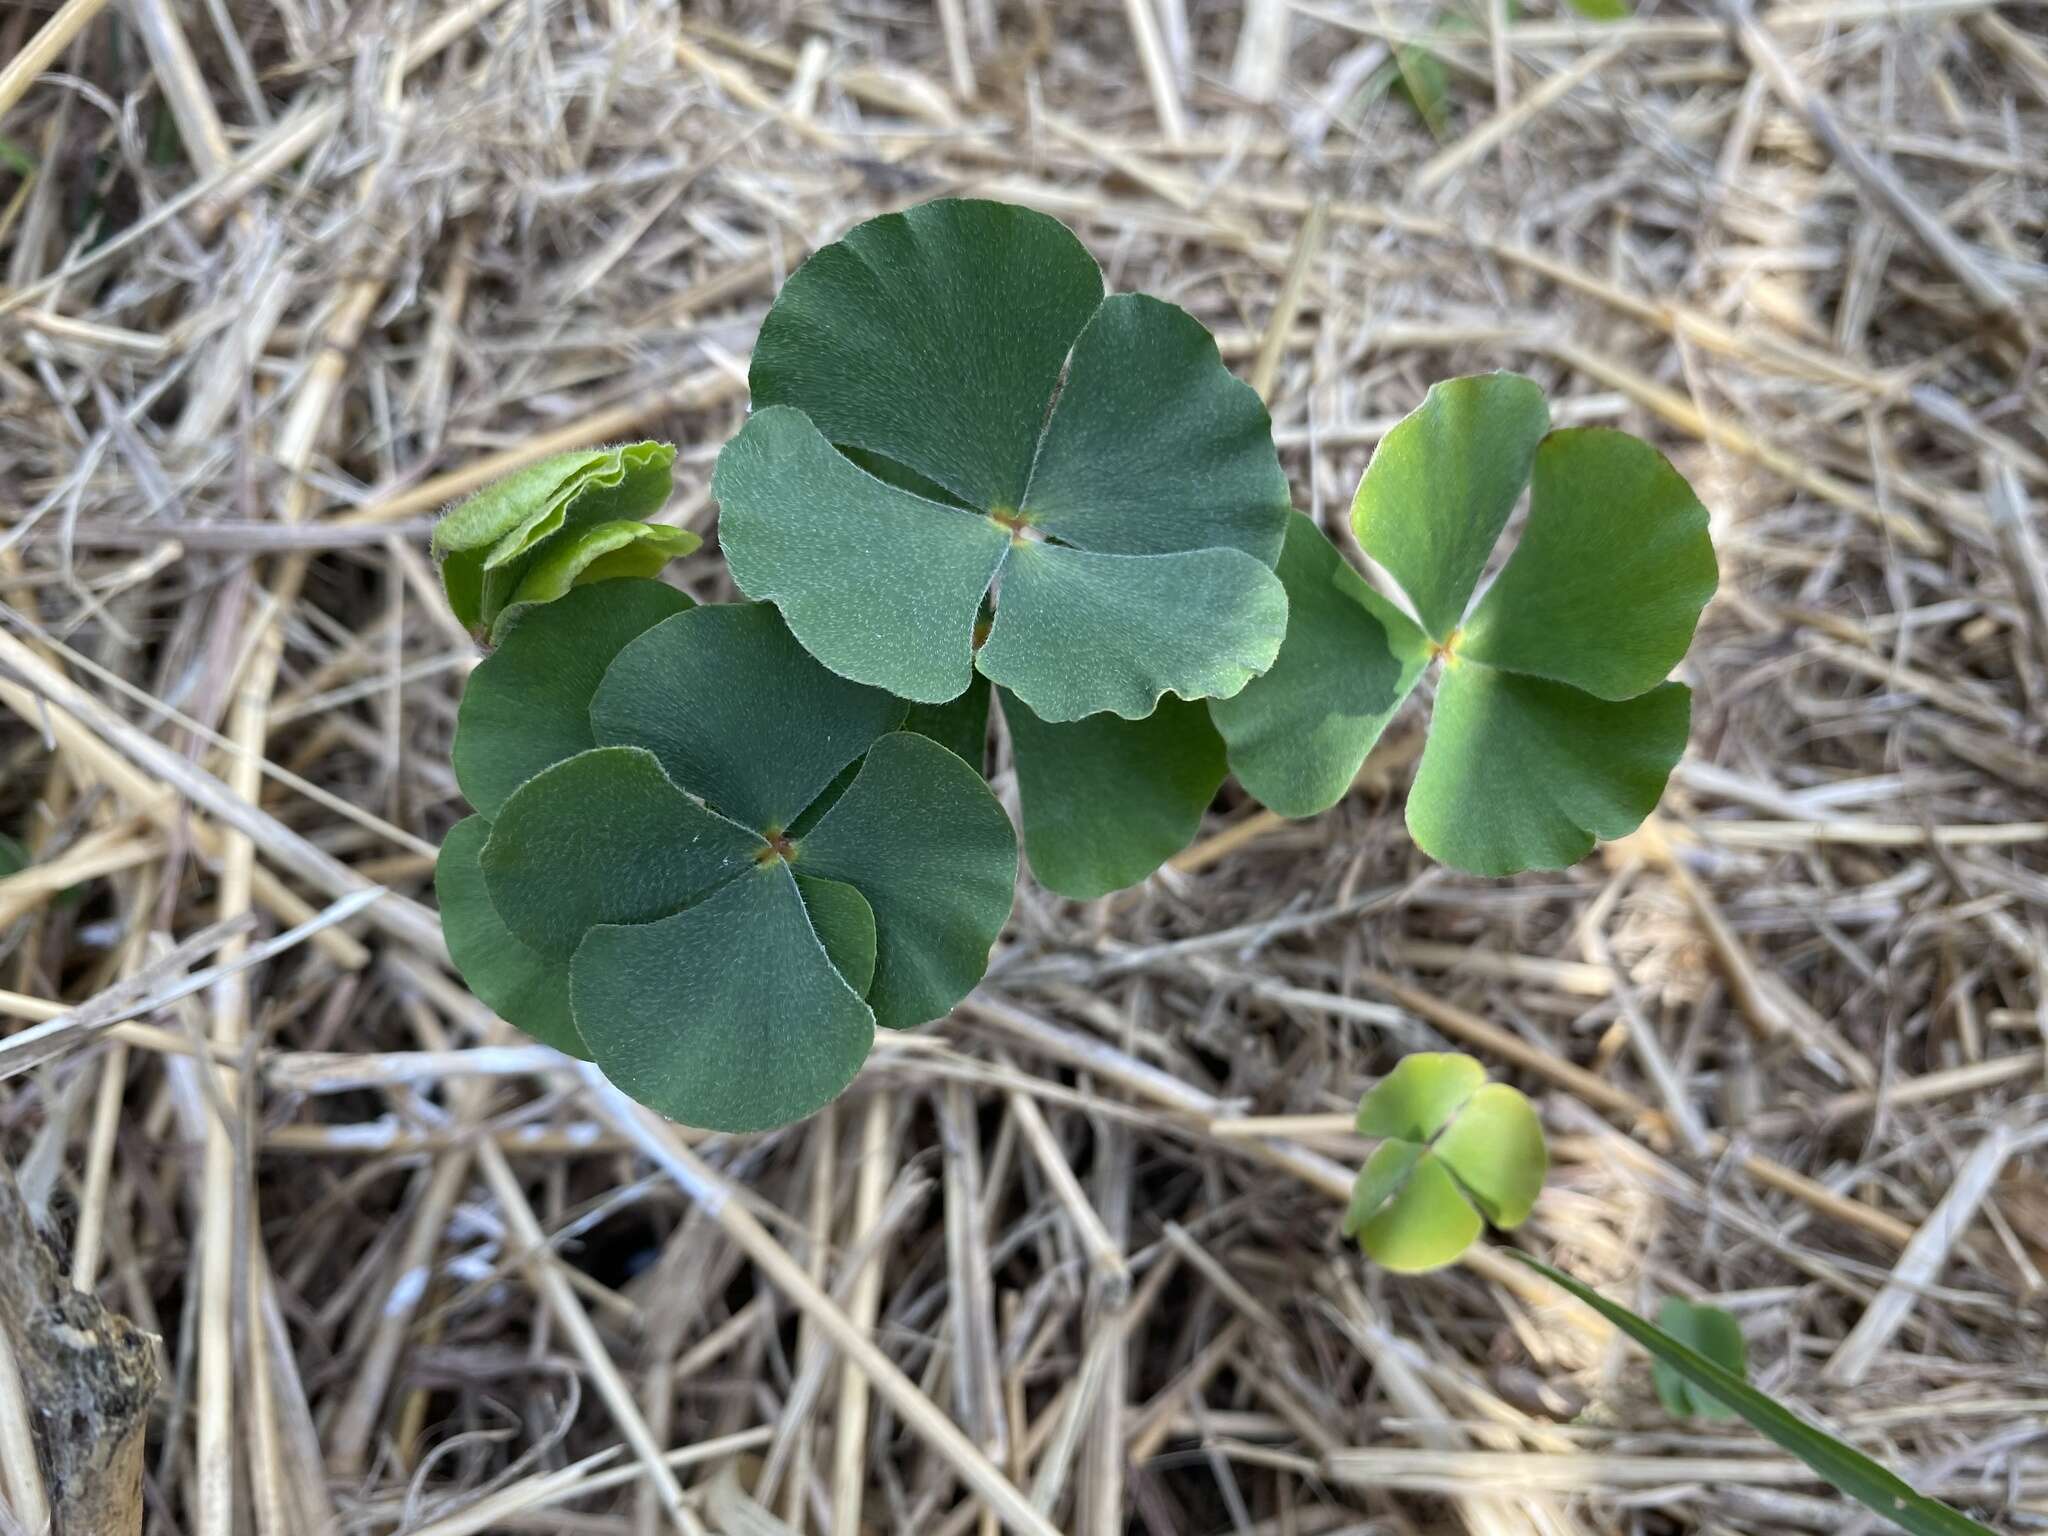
(1107, 801)
(1554, 725)
(521, 985)
(1458, 1152)
(948, 412)
(527, 705)
(710, 864)
(567, 521)
(1706, 1330)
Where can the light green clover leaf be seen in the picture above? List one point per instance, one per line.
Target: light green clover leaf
(706, 862)
(948, 411)
(1553, 724)
(566, 521)
(1457, 1152)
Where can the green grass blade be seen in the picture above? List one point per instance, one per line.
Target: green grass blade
(1845, 1467)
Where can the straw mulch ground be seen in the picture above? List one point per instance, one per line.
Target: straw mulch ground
(288, 277)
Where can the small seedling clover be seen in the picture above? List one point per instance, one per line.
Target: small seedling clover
(1457, 1152)
(1457, 1146)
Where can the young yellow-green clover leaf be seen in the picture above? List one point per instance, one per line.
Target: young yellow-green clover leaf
(1457, 1152)
(948, 412)
(569, 520)
(737, 869)
(1554, 725)
(1706, 1330)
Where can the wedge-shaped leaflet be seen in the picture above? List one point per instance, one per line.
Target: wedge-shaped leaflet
(738, 714)
(1519, 773)
(566, 521)
(1554, 725)
(725, 865)
(1417, 1099)
(948, 411)
(940, 892)
(1458, 1152)
(729, 1014)
(1107, 801)
(527, 705)
(1297, 737)
(1407, 1212)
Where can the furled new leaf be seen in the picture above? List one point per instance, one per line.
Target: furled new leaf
(599, 552)
(573, 518)
(723, 864)
(1553, 723)
(948, 410)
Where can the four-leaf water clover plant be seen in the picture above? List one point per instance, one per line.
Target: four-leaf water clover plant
(1554, 724)
(966, 466)
(567, 521)
(1457, 1152)
(705, 862)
